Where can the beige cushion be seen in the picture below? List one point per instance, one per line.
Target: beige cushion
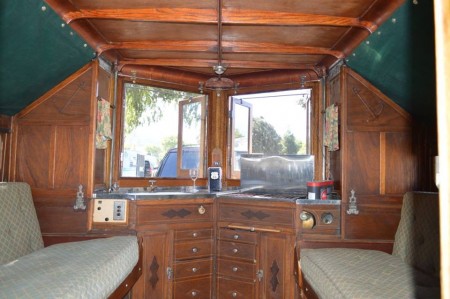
(417, 236)
(412, 271)
(20, 233)
(90, 269)
(359, 273)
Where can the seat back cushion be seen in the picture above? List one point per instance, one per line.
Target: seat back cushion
(417, 237)
(20, 233)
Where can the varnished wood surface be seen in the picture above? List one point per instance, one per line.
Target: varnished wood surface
(274, 35)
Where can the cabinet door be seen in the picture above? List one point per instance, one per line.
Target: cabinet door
(276, 256)
(157, 277)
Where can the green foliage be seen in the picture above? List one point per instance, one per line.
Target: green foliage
(169, 142)
(265, 137)
(290, 144)
(141, 98)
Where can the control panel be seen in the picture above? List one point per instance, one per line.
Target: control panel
(110, 210)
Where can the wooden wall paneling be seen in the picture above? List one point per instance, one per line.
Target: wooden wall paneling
(70, 157)
(363, 168)
(34, 163)
(5, 145)
(378, 162)
(399, 177)
(52, 145)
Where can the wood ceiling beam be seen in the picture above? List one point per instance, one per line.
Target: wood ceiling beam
(211, 46)
(272, 48)
(210, 63)
(163, 14)
(277, 18)
(173, 46)
(209, 16)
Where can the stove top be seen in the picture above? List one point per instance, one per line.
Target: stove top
(271, 194)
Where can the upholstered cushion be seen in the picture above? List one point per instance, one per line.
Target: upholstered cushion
(358, 273)
(417, 236)
(87, 269)
(19, 228)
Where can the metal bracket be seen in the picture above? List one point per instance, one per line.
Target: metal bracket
(352, 207)
(79, 202)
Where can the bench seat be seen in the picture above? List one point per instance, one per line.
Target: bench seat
(86, 269)
(411, 271)
(359, 273)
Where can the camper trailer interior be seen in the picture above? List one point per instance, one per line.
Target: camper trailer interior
(225, 149)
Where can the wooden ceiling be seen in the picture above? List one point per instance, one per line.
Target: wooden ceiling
(242, 35)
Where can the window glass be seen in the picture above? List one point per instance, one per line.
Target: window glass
(275, 123)
(156, 121)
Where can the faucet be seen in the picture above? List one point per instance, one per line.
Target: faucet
(152, 185)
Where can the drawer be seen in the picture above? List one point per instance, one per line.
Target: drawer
(193, 249)
(193, 268)
(238, 235)
(258, 215)
(237, 250)
(233, 289)
(236, 269)
(193, 234)
(195, 288)
(151, 214)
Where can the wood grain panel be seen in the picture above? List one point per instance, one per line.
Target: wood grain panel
(376, 222)
(369, 109)
(60, 219)
(69, 102)
(71, 155)
(363, 156)
(34, 146)
(399, 177)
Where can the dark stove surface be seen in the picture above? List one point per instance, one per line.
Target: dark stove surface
(272, 194)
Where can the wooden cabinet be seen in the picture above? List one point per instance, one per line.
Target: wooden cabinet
(255, 249)
(178, 248)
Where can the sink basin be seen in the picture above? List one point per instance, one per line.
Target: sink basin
(157, 193)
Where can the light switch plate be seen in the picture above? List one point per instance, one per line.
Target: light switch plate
(110, 210)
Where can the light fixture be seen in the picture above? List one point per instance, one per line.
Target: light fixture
(219, 83)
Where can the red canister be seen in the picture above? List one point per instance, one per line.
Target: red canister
(319, 189)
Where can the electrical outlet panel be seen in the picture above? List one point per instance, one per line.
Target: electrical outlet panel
(110, 210)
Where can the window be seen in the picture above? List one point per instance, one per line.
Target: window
(275, 123)
(163, 132)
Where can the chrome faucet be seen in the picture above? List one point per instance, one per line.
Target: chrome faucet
(152, 185)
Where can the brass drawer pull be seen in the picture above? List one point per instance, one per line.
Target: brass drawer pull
(195, 234)
(253, 229)
(194, 269)
(236, 236)
(235, 250)
(201, 210)
(194, 293)
(234, 269)
(195, 250)
(234, 294)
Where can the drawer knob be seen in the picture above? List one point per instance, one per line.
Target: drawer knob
(235, 269)
(236, 236)
(235, 250)
(195, 250)
(234, 294)
(194, 269)
(195, 234)
(194, 293)
(201, 210)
